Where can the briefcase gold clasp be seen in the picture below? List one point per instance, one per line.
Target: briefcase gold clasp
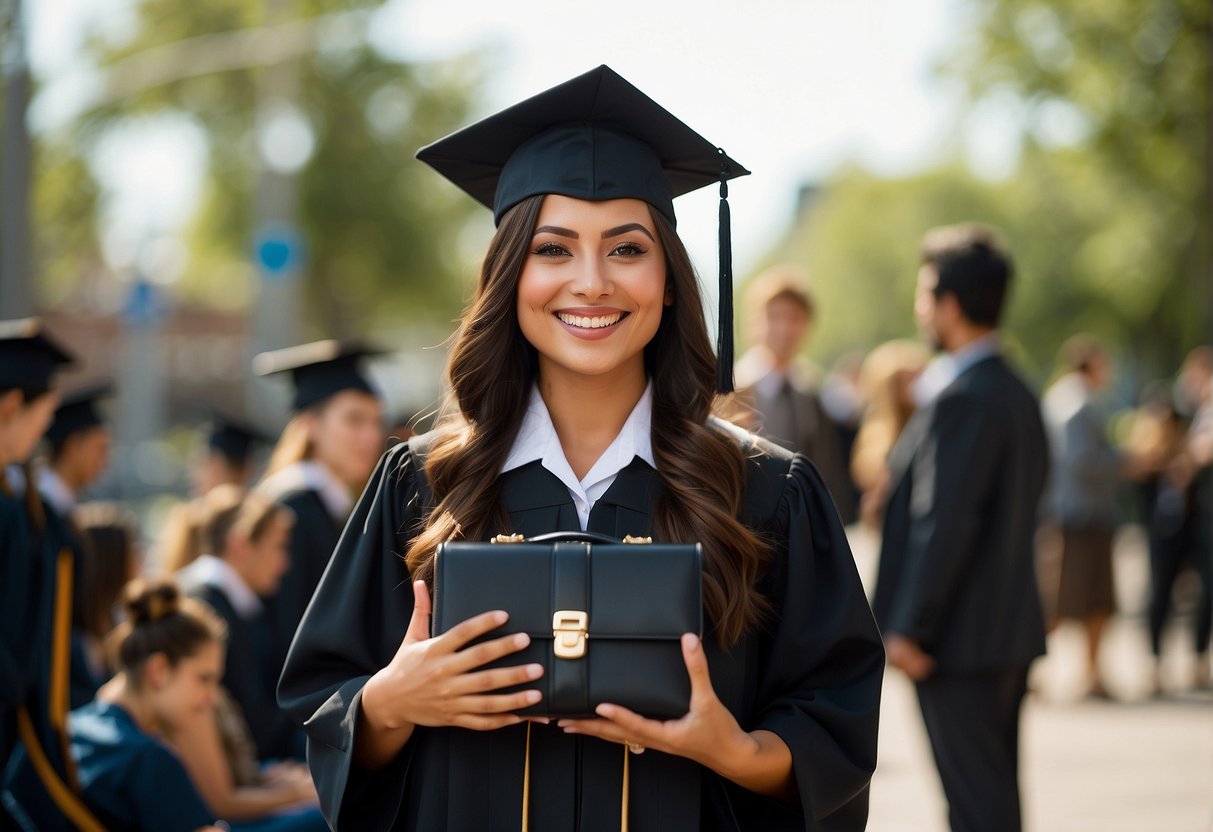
(569, 633)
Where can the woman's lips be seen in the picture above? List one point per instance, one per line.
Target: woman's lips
(590, 325)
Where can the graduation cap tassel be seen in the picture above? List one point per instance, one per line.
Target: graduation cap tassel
(724, 335)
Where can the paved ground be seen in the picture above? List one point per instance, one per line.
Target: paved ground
(1137, 763)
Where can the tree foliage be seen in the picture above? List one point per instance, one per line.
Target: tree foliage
(1107, 211)
(380, 231)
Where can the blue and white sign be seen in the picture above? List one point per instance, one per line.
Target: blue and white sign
(278, 248)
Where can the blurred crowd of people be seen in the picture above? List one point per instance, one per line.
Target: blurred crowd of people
(152, 675)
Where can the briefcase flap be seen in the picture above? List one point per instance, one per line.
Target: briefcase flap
(629, 591)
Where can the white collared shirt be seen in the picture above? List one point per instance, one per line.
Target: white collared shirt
(208, 570)
(310, 474)
(946, 367)
(537, 440)
(56, 491)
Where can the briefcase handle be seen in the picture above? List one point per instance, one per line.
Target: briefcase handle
(572, 537)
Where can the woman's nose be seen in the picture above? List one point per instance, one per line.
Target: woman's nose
(592, 282)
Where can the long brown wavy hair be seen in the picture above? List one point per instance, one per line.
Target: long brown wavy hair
(492, 369)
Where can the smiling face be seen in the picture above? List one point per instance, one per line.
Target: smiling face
(593, 287)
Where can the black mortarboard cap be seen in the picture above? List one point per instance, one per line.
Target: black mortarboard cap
(232, 438)
(77, 411)
(594, 137)
(319, 369)
(29, 356)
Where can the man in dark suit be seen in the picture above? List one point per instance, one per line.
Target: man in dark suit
(777, 393)
(956, 595)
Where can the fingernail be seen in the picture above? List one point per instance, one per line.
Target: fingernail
(522, 639)
(604, 710)
(691, 640)
(562, 723)
(501, 616)
(534, 671)
(533, 696)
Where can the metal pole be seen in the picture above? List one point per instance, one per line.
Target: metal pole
(278, 312)
(16, 294)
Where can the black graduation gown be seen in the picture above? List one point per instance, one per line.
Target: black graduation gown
(813, 678)
(52, 547)
(19, 581)
(250, 680)
(314, 536)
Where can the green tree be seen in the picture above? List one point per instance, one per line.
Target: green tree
(1107, 211)
(381, 233)
(1132, 77)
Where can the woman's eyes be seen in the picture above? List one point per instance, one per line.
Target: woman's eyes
(558, 250)
(627, 250)
(551, 250)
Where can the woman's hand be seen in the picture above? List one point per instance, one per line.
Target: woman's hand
(434, 682)
(708, 734)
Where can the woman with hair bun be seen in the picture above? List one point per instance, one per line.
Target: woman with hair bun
(169, 654)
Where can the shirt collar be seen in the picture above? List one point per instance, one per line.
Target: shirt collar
(946, 367)
(975, 351)
(56, 491)
(310, 475)
(537, 440)
(208, 570)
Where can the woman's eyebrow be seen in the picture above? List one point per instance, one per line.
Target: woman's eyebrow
(555, 229)
(623, 229)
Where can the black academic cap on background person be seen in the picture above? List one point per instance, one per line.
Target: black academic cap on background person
(232, 438)
(319, 369)
(594, 137)
(29, 355)
(78, 411)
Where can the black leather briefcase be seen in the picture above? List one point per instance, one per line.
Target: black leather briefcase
(605, 617)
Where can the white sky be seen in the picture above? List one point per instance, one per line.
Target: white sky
(790, 88)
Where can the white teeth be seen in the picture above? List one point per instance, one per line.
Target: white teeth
(586, 322)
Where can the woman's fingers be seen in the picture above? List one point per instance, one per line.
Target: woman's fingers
(419, 624)
(697, 668)
(468, 630)
(486, 723)
(496, 703)
(473, 657)
(486, 680)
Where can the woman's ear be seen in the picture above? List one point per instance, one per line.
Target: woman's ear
(156, 671)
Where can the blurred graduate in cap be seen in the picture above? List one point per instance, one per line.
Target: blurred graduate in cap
(583, 384)
(37, 572)
(320, 464)
(227, 458)
(79, 448)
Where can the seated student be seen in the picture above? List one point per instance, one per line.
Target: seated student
(108, 535)
(247, 535)
(217, 750)
(169, 652)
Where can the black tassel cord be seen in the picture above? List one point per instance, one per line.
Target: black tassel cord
(724, 334)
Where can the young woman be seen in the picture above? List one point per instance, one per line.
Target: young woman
(111, 561)
(321, 462)
(583, 380)
(29, 570)
(169, 654)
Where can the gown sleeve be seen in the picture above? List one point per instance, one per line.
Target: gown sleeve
(820, 678)
(351, 630)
